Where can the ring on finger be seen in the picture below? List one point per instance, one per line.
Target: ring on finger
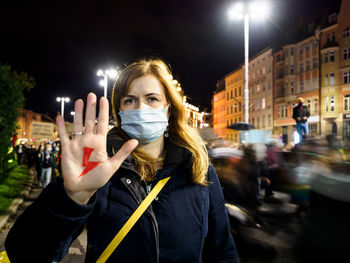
(77, 133)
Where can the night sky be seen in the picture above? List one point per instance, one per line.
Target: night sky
(63, 43)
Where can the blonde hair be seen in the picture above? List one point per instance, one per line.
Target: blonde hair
(179, 130)
(300, 99)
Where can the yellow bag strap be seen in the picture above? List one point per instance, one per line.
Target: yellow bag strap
(132, 220)
(3, 257)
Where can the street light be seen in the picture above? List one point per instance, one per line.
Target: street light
(110, 73)
(62, 100)
(239, 11)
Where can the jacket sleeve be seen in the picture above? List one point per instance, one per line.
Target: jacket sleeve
(46, 229)
(219, 245)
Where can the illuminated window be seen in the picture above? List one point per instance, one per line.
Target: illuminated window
(332, 103)
(331, 79)
(346, 103)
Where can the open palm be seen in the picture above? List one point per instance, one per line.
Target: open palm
(85, 164)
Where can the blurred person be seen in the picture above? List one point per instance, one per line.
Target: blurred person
(300, 114)
(20, 150)
(47, 165)
(30, 153)
(151, 141)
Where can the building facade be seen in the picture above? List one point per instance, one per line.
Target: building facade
(219, 109)
(261, 90)
(335, 74)
(234, 85)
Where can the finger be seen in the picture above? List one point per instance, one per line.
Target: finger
(78, 116)
(62, 132)
(123, 153)
(90, 115)
(102, 123)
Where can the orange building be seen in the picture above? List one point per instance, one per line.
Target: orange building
(219, 109)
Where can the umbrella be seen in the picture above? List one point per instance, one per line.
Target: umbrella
(240, 126)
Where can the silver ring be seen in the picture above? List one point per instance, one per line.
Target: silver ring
(77, 133)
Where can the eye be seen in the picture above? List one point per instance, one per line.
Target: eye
(153, 99)
(129, 101)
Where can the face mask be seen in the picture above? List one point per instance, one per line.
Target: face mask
(144, 125)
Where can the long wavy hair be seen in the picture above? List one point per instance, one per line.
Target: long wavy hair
(179, 130)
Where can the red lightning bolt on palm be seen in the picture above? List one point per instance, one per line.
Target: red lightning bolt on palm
(88, 165)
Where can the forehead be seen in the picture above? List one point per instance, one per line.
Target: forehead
(145, 85)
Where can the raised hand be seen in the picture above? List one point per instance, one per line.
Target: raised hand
(85, 163)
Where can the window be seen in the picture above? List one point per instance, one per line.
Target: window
(309, 104)
(258, 88)
(326, 103)
(327, 38)
(263, 103)
(285, 111)
(346, 103)
(314, 63)
(307, 48)
(333, 36)
(346, 32)
(228, 110)
(331, 56)
(314, 81)
(346, 77)
(315, 105)
(326, 80)
(263, 121)
(292, 51)
(301, 86)
(264, 70)
(235, 93)
(308, 65)
(346, 53)
(332, 103)
(301, 67)
(235, 107)
(326, 57)
(291, 69)
(307, 84)
(278, 112)
(240, 91)
(331, 79)
(231, 94)
(239, 106)
(228, 123)
(291, 87)
(227, 96)
(301, 50)
(253, 121)
(314, 44)
(257, 122)
(269, 120)
(231, 109)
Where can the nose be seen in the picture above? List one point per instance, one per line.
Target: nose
(141, 105)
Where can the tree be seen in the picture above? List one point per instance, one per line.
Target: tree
(12, 85)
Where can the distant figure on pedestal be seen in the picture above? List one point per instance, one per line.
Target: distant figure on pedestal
(300, 114)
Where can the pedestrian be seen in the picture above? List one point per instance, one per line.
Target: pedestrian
(300, 114)
(47, 165)
(102, 185)
(30, 153)
(20, 150)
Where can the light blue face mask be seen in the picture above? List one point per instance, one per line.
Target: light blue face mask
(145, 125)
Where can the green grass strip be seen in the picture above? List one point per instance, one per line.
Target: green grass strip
(14, 183)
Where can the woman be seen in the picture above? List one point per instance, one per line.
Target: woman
(187, 222)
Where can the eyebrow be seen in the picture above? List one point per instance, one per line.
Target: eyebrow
(132, 96)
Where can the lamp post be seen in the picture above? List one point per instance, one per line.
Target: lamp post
(62, 100)
(111, 73)
(239, 11)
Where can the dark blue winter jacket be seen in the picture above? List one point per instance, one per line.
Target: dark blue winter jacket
(186, 223)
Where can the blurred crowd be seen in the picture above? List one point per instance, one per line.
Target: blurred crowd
(45, 158)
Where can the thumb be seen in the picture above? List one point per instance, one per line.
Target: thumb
(123, 153)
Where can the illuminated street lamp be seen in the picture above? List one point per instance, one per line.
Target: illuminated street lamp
(62, 100)
(111, 73)
(239, 11)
